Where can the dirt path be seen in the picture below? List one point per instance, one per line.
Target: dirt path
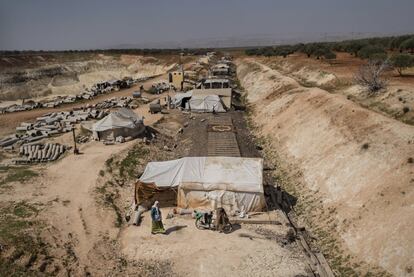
(72, 180)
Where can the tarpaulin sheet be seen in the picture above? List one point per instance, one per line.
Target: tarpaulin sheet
(232, 183)
(207, 173)
(206, 103)
(178, 97)
(229, 200)
(122, 118)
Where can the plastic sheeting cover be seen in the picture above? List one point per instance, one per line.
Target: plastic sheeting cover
(208, 103)
(178, 98)
(207, 173)
(122, 118)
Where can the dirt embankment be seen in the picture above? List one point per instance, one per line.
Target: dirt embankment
(396, 101)
(36, 76)
(351, 167)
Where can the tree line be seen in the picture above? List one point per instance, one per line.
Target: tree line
(132, 51)
(377, 48)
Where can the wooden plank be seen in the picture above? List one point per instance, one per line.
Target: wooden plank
(255, 221)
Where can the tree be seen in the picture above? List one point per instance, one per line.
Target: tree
(330, 55)
(309, 49)
(268, 51)
(370, 51)
(396, 41)
(353, 47)
(284, 50)
(408, 45)
(371, 76)
(401, 62)
(319, 52)
(251, 52)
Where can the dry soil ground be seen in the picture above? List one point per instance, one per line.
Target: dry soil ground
(347, 157)
(337, 76)
(351, 167)
(250, 251)
(71, 214)
(52, 74)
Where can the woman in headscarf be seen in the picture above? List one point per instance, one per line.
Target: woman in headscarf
(157, 226)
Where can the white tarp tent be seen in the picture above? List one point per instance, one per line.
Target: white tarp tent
(210, 182)
(178, 98)
(123, 122)
(206, 103)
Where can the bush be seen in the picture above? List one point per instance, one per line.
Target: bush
(401, 62)
(371, 77)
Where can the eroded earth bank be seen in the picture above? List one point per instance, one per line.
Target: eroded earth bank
(350, 167)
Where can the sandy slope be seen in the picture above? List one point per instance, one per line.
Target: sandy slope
(73, 179)
(62, 77)
(322, 135)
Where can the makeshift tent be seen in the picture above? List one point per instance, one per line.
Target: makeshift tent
(123, 122)
(180, 99)
(206, 103)
(232, 183)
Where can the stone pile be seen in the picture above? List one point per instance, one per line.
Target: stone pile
(38, 153)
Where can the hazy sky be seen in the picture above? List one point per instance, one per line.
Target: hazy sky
(80, 24)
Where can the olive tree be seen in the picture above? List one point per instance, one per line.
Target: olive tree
(353, 47)
(371, 51)
(408, 45)
(401, 62)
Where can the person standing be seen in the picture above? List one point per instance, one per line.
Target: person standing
(157, 226)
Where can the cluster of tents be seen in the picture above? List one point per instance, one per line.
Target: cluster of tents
(232, 183)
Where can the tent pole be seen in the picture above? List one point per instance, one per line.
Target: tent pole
(75, 149)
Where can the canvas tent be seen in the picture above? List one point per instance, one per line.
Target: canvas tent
(181, 99)
(206, 103)
(233, 183)
(123, 122)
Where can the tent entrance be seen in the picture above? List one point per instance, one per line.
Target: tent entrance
(147, 193)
